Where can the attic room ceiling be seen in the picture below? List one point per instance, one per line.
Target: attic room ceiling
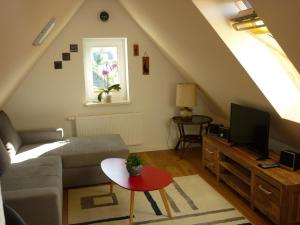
(20, 22)
(259, 53)
(180, 31)
(196, 48)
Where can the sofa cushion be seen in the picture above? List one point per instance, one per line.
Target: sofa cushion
(90, 151)
(34, 189)
(34, 173)
(8, 134)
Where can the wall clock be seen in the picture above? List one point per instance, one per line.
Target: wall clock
(104, 16)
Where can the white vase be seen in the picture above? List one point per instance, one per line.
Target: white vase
(107, 98)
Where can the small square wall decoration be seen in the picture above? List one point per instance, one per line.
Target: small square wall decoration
(66, 56)
(73, 47)
(57, 65)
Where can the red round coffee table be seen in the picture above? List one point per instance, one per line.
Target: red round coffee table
(151, 179)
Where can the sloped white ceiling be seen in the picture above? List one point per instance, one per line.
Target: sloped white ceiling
(191, 43)
(282, 18)
(20, 22)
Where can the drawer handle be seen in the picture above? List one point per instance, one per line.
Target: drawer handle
(210, 152)
(264, 190)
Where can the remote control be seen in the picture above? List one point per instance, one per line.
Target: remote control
(267, 165)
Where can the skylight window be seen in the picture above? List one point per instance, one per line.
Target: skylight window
(242, 4)
(260, 55)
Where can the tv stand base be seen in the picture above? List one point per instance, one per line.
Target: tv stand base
(275, 191)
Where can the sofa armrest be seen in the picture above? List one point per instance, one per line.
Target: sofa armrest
(41, 136)
(37, 205)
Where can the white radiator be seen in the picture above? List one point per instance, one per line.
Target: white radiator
(129, 126)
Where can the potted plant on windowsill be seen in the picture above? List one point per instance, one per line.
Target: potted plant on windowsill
(105, 72)
(114, 87)
(134, 165)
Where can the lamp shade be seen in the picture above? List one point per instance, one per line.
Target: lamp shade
(186, 95)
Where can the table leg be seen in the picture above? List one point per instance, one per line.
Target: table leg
(131, 207)
(177, 145)
(165, 201)
(111, 187)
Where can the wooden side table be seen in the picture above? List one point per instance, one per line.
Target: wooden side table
(200, 120)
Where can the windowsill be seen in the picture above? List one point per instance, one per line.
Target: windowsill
(107, 104)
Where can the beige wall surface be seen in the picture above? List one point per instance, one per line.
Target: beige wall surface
(192, 44)
(47, 96)
(20, 22)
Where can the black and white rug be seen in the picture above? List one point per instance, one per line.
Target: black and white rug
(192, 202)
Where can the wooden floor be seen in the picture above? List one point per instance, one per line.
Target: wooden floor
(170, 161)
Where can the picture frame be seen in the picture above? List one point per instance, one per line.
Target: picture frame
(146, 65)
(135, 50)
(73, 47)
(66, 56)
(57, 65)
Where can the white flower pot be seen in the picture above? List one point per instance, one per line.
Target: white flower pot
(107, 98)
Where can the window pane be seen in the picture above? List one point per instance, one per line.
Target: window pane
(105, 64)
(105, 67)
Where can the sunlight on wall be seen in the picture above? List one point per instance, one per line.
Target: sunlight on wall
(261, 56)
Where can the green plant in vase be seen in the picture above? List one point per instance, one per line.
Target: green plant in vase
(134, 164)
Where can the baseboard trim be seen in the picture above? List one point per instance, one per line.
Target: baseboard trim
(141, 148)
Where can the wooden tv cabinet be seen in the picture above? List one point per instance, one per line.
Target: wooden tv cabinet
(275, 192)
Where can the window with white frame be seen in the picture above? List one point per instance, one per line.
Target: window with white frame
(105, 65)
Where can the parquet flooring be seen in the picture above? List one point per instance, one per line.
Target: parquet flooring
(170, 161)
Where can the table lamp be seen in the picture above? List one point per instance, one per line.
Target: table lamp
(186, 98)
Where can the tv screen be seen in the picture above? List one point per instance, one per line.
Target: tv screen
(249, 128)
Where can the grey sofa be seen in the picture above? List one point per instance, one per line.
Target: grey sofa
(43, 162)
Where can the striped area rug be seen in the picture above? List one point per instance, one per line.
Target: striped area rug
(192, 202)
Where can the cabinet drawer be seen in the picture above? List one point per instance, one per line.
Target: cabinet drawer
(210, 157)
(211, 165)
(267, 199)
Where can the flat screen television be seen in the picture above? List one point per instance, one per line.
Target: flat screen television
(249, 128)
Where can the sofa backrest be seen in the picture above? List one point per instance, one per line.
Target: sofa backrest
(4, 164)
(4, 159)
(8, 134)
(2, 220)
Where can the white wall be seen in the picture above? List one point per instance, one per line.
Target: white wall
(47, 96)
(20, 22)
(195, 48)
